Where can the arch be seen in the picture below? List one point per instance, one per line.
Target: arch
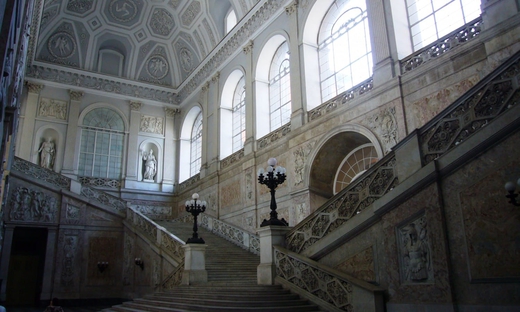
(91, 107)
(329, 154)
(226, 111)
(263, 66)
(185, 142)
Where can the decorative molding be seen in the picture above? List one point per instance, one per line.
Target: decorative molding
(83, 80)
(171, 112)
(274, 136)
(40, 173)
(76, 95)
(117, 204)
(248, 48)
(34, 87)
(231, 159)
(205, 87)
(291, 8)
(215, 77)
(191, 181)
(100, 182)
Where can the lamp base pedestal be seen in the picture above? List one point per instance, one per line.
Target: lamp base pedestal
(269, 235)
(194, 264)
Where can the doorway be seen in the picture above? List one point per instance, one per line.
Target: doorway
(26, 264)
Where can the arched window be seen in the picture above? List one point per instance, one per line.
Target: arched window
(355, 164)
(101, 148)
(231, 20)
(345, 52)
(196, 146)
(239, 115)
(280, 88)
(433, 19)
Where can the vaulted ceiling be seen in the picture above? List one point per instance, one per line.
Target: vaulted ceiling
(154, 42)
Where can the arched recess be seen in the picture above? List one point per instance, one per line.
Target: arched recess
(185, 142)
(263, 66)
(226, 112)
(43, 134)
(145, 148)
(330, 155)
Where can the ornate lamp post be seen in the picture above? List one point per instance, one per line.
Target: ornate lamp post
(195, 208)
(272, 178)
(510, 188)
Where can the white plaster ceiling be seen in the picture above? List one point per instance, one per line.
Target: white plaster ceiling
(161, 41)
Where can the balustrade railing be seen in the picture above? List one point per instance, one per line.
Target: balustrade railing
(40, 173)
(372, 185)
(331, 287)
(173, 279)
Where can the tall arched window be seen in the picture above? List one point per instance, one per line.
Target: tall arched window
(433, 19)
(101, 149)
(239, 115)
(345, 52)
(231, 20)
(196, 146)
(280, 88)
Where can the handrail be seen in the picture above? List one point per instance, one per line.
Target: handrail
(372, 185)
(235, 235)
(40, 173)
(330, 286)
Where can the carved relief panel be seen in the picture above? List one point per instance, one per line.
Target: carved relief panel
(52, 108)
(152, 124)
(32, 205)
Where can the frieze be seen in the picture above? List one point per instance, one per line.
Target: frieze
(248, 47)
(101, 84)
(152, 124)
(52, 108)
(291, 8)
(32, 206)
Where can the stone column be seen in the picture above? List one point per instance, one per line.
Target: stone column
(194, 264)
(250, 114)
(133, 135)
(297, 106)
(382, 55)
(27, 120)
(169, 168)
(70, 161)
(50, 259)
(4, 265)
(269, 236)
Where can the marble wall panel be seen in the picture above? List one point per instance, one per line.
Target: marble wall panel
(102, 249)
(361, 265)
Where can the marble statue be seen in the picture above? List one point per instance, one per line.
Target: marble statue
(47, 153)
(150, 165)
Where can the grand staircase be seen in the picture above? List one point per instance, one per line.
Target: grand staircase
(231, 286)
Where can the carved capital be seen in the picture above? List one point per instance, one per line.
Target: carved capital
(205, 87)
(34, 87)
(215, 77)
(171, 112)
(248, 48)
(291, 8)
(135, 106)
(76, 95)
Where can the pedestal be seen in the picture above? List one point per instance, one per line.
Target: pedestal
(194, 264)
(269, 236)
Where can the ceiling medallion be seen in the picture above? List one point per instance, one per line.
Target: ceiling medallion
(61, 45)
(123, 10)
(157, 66)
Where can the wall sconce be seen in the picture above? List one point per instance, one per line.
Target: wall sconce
(102, 265)
(139, 263)
(510, 188)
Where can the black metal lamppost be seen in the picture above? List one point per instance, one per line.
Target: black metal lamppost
(272, 177)
(195, 207)
(510, 188)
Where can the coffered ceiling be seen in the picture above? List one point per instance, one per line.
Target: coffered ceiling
(148, 42)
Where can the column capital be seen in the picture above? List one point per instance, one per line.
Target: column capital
(291, 8)
(171, 112)
(34, 87)
(248, 48)
(76, 95)
(135, 105)
(215, 77)
(205, 87)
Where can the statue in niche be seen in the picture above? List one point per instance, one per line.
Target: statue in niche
(150, 165)
(47, 152)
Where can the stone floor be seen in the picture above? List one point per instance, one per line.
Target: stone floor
(65, 308)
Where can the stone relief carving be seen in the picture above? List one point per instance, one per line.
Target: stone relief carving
(72, 213)
(157, 66)
(70, 245)
(79, 6)
(34, 87)
(199, 43)
(47, 16)
(61, 45)
(76, 95)
(155, 211)
(31, 205)
(249, 183)
(385, 124)
(171, 112)
(186, 60)
(300, 157)
(53, 108)
(151, 124)
(162, 22)
(210, 32)
(415, 252)
(135, 106)
(274, 136)
(156, 273)
(128, 260)
(191, 12)
(123, 10)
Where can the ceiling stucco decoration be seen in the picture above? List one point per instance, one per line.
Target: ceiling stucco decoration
(69, 34)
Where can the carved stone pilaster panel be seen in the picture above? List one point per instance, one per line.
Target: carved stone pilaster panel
(301, 155)
(128, 259)
(68, 264)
